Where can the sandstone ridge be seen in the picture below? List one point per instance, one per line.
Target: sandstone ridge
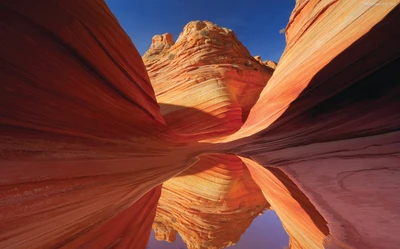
(206, 82)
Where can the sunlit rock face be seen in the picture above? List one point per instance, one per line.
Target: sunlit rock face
(328, 117)
(210, 205)
(84, 145)
(269, 64)
(160, 44)
(326, 85)
(207, 82)
(302, 221)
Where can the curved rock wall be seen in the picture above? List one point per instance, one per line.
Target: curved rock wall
(84, 143)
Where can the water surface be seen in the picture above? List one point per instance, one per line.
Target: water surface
(266, 231)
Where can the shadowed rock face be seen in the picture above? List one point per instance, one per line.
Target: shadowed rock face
(76, 108)
(303, 223)
(328, 117)
(84, 145)
(207, 69)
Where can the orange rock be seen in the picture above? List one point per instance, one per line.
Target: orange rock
(269, 64)
(301, 220)
(206, 82)
(160, 44)
(331, 46)
(83, 140)
(205, 201)
(329, 118)
(127, 229)
(80, 128)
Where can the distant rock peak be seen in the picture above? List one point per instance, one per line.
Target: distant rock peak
(199, 26)
(267, 63)
(205, 58)
(162, 40)
(194, 34)
(160, 43)
(208, 33)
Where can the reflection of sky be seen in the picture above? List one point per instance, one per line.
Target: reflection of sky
(266, 231)
(155, 244)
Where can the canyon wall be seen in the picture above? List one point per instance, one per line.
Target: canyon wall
(82, 136)
(86, 141)
(329, 117)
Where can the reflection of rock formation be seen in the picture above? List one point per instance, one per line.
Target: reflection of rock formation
(207, 69)
(304, 224)
(83, 140)
(329, 117)
(210, 205)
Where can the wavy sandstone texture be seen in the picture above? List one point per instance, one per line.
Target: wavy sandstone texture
(84, 145)
(329, 117)
(331, 47)
(303, 223)
(207, 82)
(75, 114)
(210, 205)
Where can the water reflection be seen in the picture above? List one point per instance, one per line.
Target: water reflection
(266, 231)
(213, 204)
(210, 205)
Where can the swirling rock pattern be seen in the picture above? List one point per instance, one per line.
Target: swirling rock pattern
(85, 146)
(328, 117)
(317, 85)
(76, 109)
(304, 224)
(207, 69)
(210, 205)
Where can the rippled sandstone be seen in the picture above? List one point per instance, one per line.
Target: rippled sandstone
(210, 205)
(328, 117)
(206, 82)
(76, 108)
(84, 145)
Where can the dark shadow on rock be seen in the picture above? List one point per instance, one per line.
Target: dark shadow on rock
(184, 121)
(357, 94)
(302, 199)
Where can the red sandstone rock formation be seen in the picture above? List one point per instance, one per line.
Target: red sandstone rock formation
(160, 45)
(267, 63)
(207, 82)
(75, 114)
(84, 144)
(325, 57)
(305, 226)
(207, 201)
(329, 117)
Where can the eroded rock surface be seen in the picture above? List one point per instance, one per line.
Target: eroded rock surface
(207, 82)
(267, 63)
(328, 117)
(84, 144)
(80, 129)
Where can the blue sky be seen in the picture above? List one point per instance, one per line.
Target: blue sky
(256, 22)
